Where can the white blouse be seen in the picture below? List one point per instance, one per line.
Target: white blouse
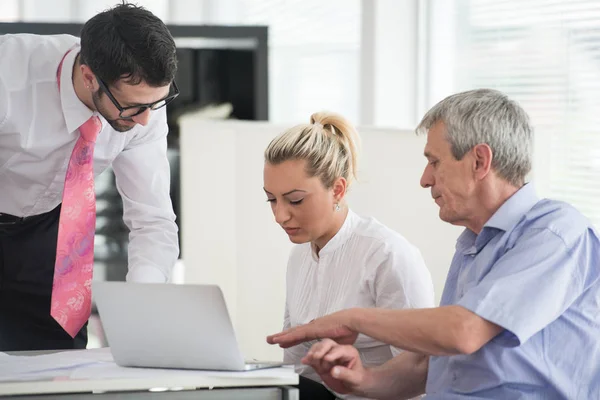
(365, 264)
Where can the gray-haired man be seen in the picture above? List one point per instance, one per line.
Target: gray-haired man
(519, 313)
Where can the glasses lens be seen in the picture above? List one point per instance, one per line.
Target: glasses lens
(132, 112)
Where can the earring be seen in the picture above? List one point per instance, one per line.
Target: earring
(337, 207)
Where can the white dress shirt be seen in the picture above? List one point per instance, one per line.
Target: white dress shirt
(365, 264)
(38, 130)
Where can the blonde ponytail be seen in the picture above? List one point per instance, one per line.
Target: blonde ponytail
(329, 144)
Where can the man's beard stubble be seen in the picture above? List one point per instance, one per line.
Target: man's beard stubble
(114, 123)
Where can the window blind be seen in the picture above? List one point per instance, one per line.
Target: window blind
(546, 55)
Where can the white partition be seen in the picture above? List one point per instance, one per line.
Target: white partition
(229, 236)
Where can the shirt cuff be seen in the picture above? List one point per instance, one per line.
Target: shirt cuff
(146, 275)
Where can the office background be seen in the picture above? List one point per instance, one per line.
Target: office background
(383, 63)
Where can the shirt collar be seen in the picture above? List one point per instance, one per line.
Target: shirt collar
(504, 219)
(513, 209)
(466, 240)
(74, 111)
(340, 237)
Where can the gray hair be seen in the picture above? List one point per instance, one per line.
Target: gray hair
(486, 116)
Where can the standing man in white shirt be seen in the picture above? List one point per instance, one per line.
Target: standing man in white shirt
(68, 110)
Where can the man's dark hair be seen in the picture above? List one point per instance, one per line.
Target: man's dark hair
(129, 42)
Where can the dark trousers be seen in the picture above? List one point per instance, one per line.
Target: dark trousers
(27, 256)
(311, 390)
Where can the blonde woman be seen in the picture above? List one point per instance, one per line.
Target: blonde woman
(342, 260)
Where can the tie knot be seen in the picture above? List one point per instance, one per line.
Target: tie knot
(90, 129)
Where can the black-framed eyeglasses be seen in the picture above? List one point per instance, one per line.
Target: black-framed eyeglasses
(129, 112)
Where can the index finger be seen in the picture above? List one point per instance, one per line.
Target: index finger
(273, 339)
(292, 337)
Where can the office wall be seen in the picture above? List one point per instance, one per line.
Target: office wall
(229, 236)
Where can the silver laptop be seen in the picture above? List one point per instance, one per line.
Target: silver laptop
(169, 326)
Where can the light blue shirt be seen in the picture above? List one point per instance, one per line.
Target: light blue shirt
(534, 270)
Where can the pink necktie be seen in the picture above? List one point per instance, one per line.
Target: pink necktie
(71, 303)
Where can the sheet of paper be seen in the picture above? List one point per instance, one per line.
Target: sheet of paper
(99, 364)
(50, 365)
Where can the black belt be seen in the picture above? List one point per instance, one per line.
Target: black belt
(7, 219)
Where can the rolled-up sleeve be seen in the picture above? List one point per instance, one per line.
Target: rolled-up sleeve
(530, 286)
(143, 179)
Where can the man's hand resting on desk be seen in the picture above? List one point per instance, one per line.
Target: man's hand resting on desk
(339, 366)
(335, 326)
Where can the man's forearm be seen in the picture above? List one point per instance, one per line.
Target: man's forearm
(402, 377)
(433, 331)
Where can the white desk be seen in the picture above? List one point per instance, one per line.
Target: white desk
(105, 381)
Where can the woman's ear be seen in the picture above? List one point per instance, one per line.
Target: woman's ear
(339, 189)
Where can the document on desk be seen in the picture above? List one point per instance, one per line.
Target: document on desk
(95, 370)
(50, 365)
